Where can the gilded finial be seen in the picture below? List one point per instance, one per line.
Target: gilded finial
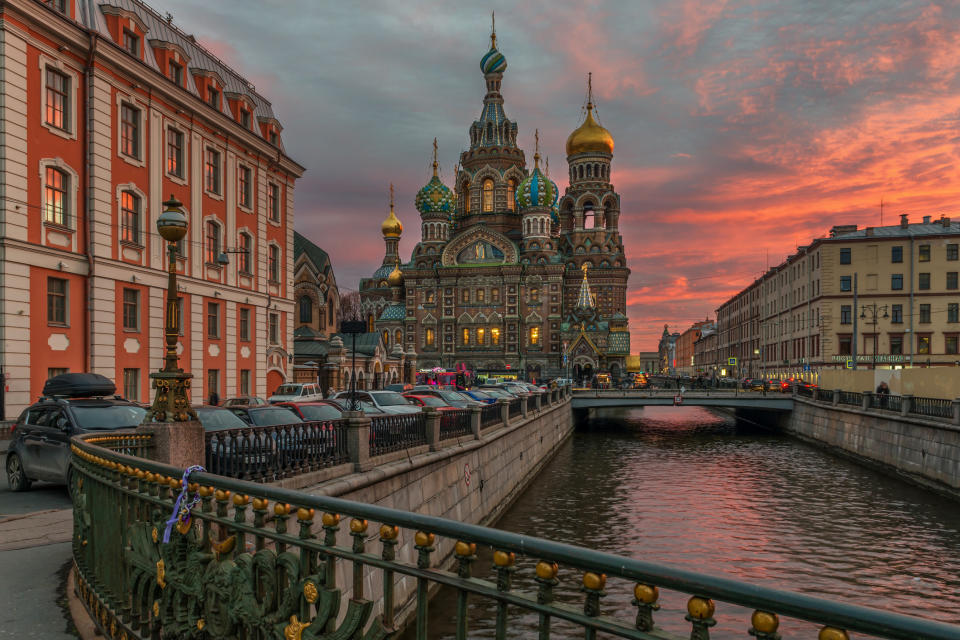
(391, 197)
(547, 167)
(590, 90)
(493, 29)
(434, 157)
(584, 267)
(536, 154)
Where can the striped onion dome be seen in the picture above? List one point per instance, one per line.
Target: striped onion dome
(493, 61)
(537, 190)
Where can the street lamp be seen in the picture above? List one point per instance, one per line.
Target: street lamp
(171, 403)
(869, 313)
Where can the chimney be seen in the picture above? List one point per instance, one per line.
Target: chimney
(926, 219)
(868, 231)
(945, 221)
(903, 221)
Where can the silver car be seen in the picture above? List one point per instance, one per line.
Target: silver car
(387, 401)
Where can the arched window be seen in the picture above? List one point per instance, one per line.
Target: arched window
(580, 171)
(589, 170)
(55, 207)
(369, 323)
(541, 226)
(386, 338)
(463, 200)
(306, 309)
(212, 247)
(487, 203)
(130, 223)
(398, 337)
(511, 193)
(330, 311)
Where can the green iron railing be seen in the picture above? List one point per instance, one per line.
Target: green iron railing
(252, 562)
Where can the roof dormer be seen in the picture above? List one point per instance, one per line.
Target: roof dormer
(172, 61)
(242, 108)
(126, 28)
(66, 7)
(209, 87)
(270, 130)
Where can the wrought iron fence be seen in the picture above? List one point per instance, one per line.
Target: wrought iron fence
(884, 401)
(393, 433)
(852, 398)
(514, 408)
(823, 395)
(489, 415)
(228, 571)
(455, 424)
(263, 454)
(932, 407)
(807, 392)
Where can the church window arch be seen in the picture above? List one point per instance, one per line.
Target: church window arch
(589, 170)
(370, 322)
(398, 337)
(541, 226)
(596, 171)
(487, 196)
(580, 171)
(306, 309)
(511, 194)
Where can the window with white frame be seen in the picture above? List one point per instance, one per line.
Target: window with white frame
(175, 152)
(273, 263)
(130, 204)
(245, 186)
(176, 73)
(131, 310)
(274, 327)
(131, 384)
(211, 171)
(131, 42)
(130, 130)
(212, 244)
(246, 253)
(273, 201)
(56, 197)
(58, 92)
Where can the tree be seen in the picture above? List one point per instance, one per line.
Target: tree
(350, 306)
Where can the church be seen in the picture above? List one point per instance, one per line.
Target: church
(510, 278)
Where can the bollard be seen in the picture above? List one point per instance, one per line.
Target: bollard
(475, 421)
(433, 427)
(906, 402)
(358, 439)
(865, 404)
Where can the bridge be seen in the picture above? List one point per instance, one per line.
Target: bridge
(730, 399)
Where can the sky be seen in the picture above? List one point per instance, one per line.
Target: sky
(743, 129)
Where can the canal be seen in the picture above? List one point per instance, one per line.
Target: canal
(689, 488)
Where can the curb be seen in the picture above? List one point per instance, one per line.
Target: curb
(84, 624)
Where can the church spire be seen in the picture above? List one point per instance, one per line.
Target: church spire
(434, 157)
(585, 299)
(493, 29)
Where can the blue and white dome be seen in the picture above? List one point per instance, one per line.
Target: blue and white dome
(493, 61)
(537, 190)
(435, 197)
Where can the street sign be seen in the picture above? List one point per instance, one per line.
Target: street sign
(849, 364)
(732, 362)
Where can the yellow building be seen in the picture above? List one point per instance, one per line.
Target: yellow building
(879, 297)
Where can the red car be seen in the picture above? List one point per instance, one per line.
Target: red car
(428, 401)
(314, 411)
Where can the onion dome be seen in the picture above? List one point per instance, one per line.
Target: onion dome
(493, 61)
(589, 137)
(537, 190)
(391, 227)
(395, 279)
(435, 197)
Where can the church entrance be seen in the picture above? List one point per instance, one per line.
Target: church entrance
(583, 372)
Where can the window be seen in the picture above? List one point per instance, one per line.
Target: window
(245, 118)
(534, 295)
(486, 203)
(534, 336)
(495, 336)
(924, 281)
(213, 319)
(953, 312)
(274, 326)
(844, 345)
(896, 254)
(212, 248)
(951, 252)
(481, 335)
(213, 97)
(923, 253)
(465, 296)
(950, 344)
(306, 310)
(130, 131)
(896, 281)
(176, 73)
(495, 295)
(55, 209)
(845, 314)
(131, 384)
(245, 186)
(58, 99)
(246, 251)
(845, 283)
(244, 382)
(53, 372)
(398, 337)
(896, 314)
(131, 310)
(480, 295)
(273, 201)
(845, 255)
(511, 194)
(428, 298)
(272, 137)
(896, 345)
(925, 314)
(131, 42)
(951, 279)
(175, 152)
(923, 344)
(211, 172)
(245, 325)
(130, 217)
(61, 6)
(273, 263)
(56, 301)
(466, 336)
(213, 381)
(429, 338)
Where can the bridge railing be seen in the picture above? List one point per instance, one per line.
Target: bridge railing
(396, 432)
(931, 407)
(489, 415)
(851, 398)
(455, 424)
(247, 560)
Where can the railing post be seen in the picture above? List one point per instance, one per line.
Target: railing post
(358, 439)
(433, 427)
(906, 401)
(538, 402)
(475, 413)
(956, 411)
(866, 397)
(523, 406)
(504, 411)
(180, 444)
(836, 397)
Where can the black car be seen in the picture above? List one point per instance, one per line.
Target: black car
(269, 416)
(72, 403)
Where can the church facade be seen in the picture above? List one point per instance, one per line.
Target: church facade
(510, 277)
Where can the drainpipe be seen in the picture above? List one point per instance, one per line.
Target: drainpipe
(87, 181)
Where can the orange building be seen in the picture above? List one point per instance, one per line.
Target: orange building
(685, 347)
(107, 109)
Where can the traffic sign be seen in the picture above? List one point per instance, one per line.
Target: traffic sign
(849, 364)
(732, 362)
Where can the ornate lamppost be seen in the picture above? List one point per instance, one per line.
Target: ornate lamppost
(171, 403)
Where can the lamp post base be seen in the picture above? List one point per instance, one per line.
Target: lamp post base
(171, 404)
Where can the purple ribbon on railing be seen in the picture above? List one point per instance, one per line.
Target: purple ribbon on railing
(181, 511)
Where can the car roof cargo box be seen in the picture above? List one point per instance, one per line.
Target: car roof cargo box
(79, 385)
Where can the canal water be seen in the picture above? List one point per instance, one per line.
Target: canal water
(689, 488)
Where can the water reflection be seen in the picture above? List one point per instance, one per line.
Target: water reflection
(685, 487)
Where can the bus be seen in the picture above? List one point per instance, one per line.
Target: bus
(444, 378)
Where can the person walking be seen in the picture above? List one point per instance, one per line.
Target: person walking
(882, 392)
(766, 386)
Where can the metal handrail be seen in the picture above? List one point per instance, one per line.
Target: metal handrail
(396, 432)
(489, 415)
(137, 483)
(455, 423)
(932, 407)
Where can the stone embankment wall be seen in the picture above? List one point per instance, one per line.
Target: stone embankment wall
(925, 452)
(929, 382)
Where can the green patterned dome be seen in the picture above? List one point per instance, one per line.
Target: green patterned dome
(537, 190)
(435, 197)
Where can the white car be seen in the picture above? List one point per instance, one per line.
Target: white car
(387, 401)
(296, 392)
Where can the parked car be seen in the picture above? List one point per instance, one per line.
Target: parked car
(456, 399)
(389, 401)
(269, 416)
(498, 392)
(219, 418)
(236, 454)
(72, 403)
(296, 392)
(400, 387)
(532, 388)
(249, 401)
(479, 396)
(424, 400)
(516, 388)
(316, 410)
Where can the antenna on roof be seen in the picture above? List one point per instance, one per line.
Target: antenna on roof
(881, 211)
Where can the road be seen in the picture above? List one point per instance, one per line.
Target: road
(34, 558)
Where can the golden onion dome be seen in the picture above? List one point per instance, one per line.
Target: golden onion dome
(590, 137)
(395, 279)
(391, 227)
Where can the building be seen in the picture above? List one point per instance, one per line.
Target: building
(705, 356)
(667, 351)
(879, 297)
(685, 347)
(108, 110)
(644, 362)
(510, 277)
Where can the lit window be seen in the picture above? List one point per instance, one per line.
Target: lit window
(211, 171)
(465, 296)
(923, 344)
(273, 263)
(58, 100)
(130, 217)
(486, 204)
(466, 336)
(481, 335)
(131, 42)
(131, 310)
(246, 250)
(480, 295)
(245, 186)
(923, 253)
(511, 194)
(430, 338)
(175, 152)
(495, 335)
(212, 248)
(534, 336)
(55, 209)
(130, 131)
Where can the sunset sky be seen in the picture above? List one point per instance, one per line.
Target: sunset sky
(743, 129)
